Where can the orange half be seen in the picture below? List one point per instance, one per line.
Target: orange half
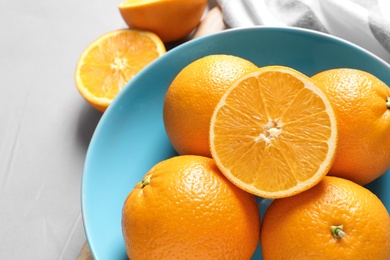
(274, 133)
(111, 61)
(171, 20)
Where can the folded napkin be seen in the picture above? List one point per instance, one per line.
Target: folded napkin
(363, 22)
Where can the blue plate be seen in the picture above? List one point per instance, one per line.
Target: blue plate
(130, 137)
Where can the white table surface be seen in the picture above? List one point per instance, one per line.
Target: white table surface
(45, 125)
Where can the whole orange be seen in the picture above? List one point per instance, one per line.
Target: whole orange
(192, 97)
(336, 219)
(170, 19)
(362, 105)
(184, 208)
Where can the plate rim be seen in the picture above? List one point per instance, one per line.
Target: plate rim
(110, 110)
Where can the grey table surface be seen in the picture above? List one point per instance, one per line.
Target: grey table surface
(45, 125)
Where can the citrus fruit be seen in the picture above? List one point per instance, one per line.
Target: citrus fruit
(110, 61)
(184, 208)
(336, 219)
(192, 97)
(362, 106)
(274, 133)
(170, 19)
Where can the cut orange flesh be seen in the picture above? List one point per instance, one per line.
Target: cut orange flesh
(111, 61)
(274, 133)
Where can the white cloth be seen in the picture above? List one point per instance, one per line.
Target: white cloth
(363, 22)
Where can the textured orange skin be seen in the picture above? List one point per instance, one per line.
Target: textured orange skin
(359, 99)
(171, 20)
(189, 210)
(192, 97)
(298, 227)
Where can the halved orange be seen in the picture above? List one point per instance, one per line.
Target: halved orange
(171, 20)
(274, 133)
(111, 61)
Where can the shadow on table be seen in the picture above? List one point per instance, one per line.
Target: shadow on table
(86, 125)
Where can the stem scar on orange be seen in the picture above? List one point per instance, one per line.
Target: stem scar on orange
(110, 61)
(184, 208)
(336, 219)
(274, 132)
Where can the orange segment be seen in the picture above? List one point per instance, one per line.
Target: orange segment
(111, 61)
(274, 133)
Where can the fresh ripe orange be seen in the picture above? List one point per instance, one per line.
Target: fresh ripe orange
(192, 96)
(274, 133)
(184, 208)
(169, 19)
(111, 61)
(362, 105)
(336, 219)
